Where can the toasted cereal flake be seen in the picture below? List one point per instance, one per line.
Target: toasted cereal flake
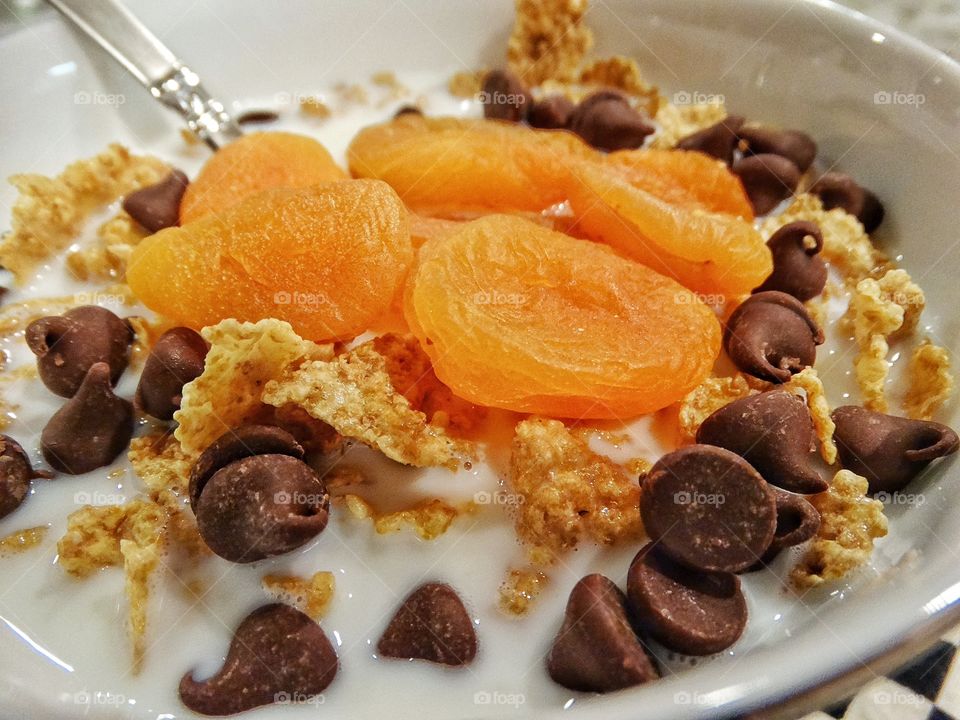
(311, 597)
(50, 212)
(315, 107)
(189, 137)
(352, 93)
(429, 519)
(849, 523)
(549, 40)
(624, 74)
(343, 476)
(896, 286)
(106, 258)
(354, 394)
(708, 397)
(160, 462)
(930, 381)
(678, 121)
(568, 491)
(466, 84)
(22, 540)
(808, 381)
(638, 466)
(243, 358)
(521, 589)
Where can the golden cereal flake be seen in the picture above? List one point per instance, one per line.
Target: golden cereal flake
(429, 519)
(243, 358)
(466, 84)
(160, 462)
(22, 540)
(624, 74)
(521, 589)
(849, 523)
(549, 40)
(809, 382)
(50, 211)
(354, 394)
(568, 491)
(311, 597)
(315, 107)
(708, 397)
(638, 466)
(678, 121)
(106, 258)
(929, 381)
(897, 287)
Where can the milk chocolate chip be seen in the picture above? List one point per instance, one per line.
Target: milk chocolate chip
(797, 522)
(768, 179)
(254, 497)
(67, 346)
(175, 360)
(773, 431)
(718, 140)
(798, 269)
(551, 113)
(839, 190)
(432, 624)
(887, 450)
(407, 110)
(688, 611)
(91, 429)
(597, 649)
(606, 121)
(708, 509)
(794, 145)
(15, 475)
(504, 96)
(772, 336)
(156, 207)
(278, 654)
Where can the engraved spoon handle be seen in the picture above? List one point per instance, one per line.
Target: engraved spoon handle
(114, 28)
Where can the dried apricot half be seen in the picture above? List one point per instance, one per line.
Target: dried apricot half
(517, 316)
(328, 259)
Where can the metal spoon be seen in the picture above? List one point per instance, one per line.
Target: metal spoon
(114, 28)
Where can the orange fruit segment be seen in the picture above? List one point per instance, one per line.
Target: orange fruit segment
(516, 316)
(256, 162)
(328, 259)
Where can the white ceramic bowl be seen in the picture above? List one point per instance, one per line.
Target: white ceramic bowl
(882, 106)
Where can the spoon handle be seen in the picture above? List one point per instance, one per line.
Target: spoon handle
(114, 28)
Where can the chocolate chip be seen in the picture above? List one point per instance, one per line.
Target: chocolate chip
(772, 336)
(887, 450)
(175, 360)
(551, 113)
(432, 624)
(797, 522)
(773, 432)
(708, 509)
(794, 145)
(688, 611)
(407, 110)
(597, 649)
(67, 346)
(798, 269)
(158, 206)
(277, 653)
(15, 475)
(718, 140)
(839, 190)
(606, 121)
(768, 179)
(504, 96)
(91, 429)
(257, 117)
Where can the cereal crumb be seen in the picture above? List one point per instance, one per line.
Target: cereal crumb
(849, 523)
(354, 394)
(352, 93)
(930, 381)
(311, 597)
(160, 462)
(520, 590)
(466, 84)
(678, 121)
(343, 476)
(708, 397)
(315, 107)
(50, 211)
(638, 466)
(623, 73)
(106, 257)
(429, 519)
(189, 137)
(569, 492)
(22, 540)
(243, 357)
(809, 382)
(549, 40)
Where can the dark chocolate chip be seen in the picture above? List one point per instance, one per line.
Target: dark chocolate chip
(15, 475)
(257, 117)
(67, 346)
(175, 360)
(158, 206)
(688, 611)
(597, 649)
(708, 509)
(551, 113)
(839, 190)
(798, 269)
(504, 96)
(91, 429)
(237, 444)
(606, 121)
(277, 654)
(432, 624)
(407, 110)
(796, 146)
(887, 450)
(768, 179)
(773, 431)
(797, 522)
(718, 140)
(772, 336)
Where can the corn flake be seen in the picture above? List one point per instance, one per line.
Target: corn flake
(708, 397)
(311, 597)
(930, 381)
(106, 258)
(22, 540)
(429, 519)
(521, 589)
(809, 382)
(549, 40)
(678, 121)
(624, 74)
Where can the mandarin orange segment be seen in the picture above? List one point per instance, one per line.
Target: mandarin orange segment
(514, 315)
(328, 259)
(256, 162)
